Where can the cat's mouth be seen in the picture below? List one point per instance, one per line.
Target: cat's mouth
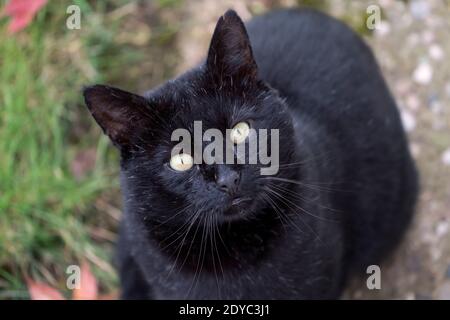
(238, 208)
(239, 200)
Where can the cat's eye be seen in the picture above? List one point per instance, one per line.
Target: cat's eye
(181, 162)
(239, 132)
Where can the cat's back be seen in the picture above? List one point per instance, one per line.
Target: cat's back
(326, 72)
(302, 51)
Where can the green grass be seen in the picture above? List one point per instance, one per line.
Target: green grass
(44, 208)
(50, 217)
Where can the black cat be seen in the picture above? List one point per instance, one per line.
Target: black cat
(340, 201)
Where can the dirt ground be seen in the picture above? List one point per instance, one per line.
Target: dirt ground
(412, 45)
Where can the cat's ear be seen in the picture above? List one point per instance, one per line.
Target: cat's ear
(122, 115)
(230, 53)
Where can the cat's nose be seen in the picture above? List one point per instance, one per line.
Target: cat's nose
(227, 179)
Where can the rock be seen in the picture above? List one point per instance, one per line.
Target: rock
(410, 296)
(423, 73)
(446, 157)
(420, 9)
(409, 121)
(413, 39)
(415, 149)
(447, 89)
(403, 86)
(435, 51)
(444, 291)
(413, 102)
(385, 3)
(442, 228)
(422, 296)
(436, 107)
(428, 37)
(382, 28)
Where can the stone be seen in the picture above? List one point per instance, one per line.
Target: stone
(423, 74)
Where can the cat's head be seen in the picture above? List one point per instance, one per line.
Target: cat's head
(225, 92)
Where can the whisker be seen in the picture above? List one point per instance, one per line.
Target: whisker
(217, 230)
(299, 216)
(273, 205)
(282, 214)
(180, 245)
(183, 209)
(213, 251)
(305, 184)
(185, 224)
(300, 197)
(201, 258)
(305, 161)
(300, 208)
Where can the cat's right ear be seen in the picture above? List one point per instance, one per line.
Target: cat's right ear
(230, 53)
(122, 115)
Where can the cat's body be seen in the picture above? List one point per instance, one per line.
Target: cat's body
(344, 112)
(346, 185)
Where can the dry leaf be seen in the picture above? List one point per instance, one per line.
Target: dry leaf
(110, 296)
(83, 162)
(88, 285)
(41, 291)
(21, 12)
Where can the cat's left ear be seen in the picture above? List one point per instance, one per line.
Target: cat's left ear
(122, 115)
(230, 53)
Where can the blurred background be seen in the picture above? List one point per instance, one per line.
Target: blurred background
(59, 191)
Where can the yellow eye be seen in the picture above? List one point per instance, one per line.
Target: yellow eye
(240, 132)
(181, 162)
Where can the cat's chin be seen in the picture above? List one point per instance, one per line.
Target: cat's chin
(239, 209)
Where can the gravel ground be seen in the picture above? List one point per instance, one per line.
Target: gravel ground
(412, 45)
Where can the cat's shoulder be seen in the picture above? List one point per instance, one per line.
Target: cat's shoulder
(300, 22)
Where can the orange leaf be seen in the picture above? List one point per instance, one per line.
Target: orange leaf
(110, 296)
(21, 12)
(88, 285)
(83, 162)
(41, 291)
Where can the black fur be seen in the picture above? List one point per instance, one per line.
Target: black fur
(341, 200)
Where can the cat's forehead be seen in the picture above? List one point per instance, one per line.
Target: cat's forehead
(192, 98)
(213, 111)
